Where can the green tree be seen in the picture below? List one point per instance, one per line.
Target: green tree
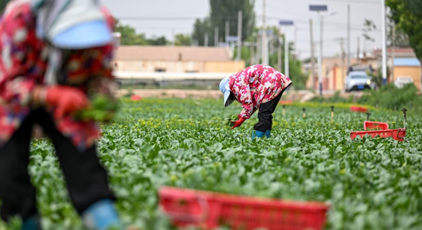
(183, 40)
(200, 28)
(158, 41)
(415, 6)
(3, 4)
(222, 11)
(129, 35)
(295, 66)
(409, 20)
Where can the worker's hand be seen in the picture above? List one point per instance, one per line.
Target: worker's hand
(65, 99)
(238, 122)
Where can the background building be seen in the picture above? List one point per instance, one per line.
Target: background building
(174, 64)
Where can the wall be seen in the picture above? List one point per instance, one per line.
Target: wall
(180, 67)
(414, 72)
(336, 79)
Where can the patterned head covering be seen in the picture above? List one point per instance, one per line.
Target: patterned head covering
(225, 89)
(71, 24)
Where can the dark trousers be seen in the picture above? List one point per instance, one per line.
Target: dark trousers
(265, 114)
(86, 179)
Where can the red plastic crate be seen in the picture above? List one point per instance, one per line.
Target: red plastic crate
(135, 98)
(396, 134)
(209, 210)
(373, 125)
(358, 109)
(286, 102)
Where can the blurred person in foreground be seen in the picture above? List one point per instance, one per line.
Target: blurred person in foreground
(257, 87)
(56, 54)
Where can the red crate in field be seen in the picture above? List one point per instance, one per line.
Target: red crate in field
(372, 125)
(286, 102)
(358, 109)
(396, 134)
(135, 98)
(209, 210)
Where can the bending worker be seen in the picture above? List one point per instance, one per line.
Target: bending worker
(55, 54)
(255, 87)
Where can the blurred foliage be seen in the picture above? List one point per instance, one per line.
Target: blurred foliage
(370, 183)
(377, 76)
(388, 97)
(223, 11)
(336, 98)
(408, 17)
(3, 4)
(391, 97)
(183, 40)
(129, 36)
(415, 6)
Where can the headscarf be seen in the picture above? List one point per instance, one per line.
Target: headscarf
(55, 16)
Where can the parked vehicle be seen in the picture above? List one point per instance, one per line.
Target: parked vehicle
(358, 80)
(403, 80)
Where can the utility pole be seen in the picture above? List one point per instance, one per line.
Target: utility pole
(319, 9)
(358, 51)
(258, 52)
(174, 37)
(384, 45)
(252, 52)
(239, 35)
(343, 55)
(216, 36)
(393, 51)
(264, 47)
(295, 39)
(227, 31)
(206, 39)
(286, 56)
(348, 36)
(286, 46)
(320, 53)
(311, 31)
(279, 61)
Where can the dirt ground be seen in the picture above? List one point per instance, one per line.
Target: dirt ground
(172, 93)
(203, 94)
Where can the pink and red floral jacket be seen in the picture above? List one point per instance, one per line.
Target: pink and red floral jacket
(23, 65)
(256, 85)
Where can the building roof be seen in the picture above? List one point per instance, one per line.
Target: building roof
(173, 53)
(407, 62)
(398, 52)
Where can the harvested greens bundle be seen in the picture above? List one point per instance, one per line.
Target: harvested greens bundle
(230, 120)
(101, 108)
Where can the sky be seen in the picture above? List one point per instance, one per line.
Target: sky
(157, 18)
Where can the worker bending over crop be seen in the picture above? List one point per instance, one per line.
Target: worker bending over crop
(56, 56)
(255, 87)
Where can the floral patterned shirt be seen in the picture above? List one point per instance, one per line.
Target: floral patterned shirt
(256, 85)
(23, 65)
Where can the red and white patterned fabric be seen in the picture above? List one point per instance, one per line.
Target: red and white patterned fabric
(256, 85)
(23, 65)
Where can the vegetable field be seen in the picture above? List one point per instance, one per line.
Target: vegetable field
(369, 183)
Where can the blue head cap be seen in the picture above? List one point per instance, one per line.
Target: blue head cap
(225, 89)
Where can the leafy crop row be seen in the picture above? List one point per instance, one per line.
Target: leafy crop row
(369, 183)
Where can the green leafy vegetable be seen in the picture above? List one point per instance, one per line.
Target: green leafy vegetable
(230, 120)
(370, 183)
(101, 109)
